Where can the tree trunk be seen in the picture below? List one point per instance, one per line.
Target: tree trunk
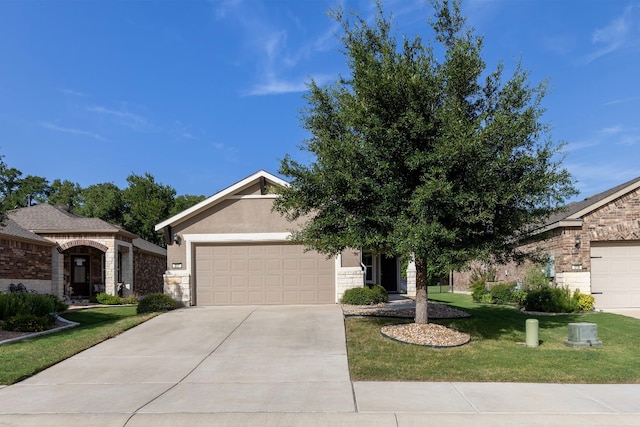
(422, 314)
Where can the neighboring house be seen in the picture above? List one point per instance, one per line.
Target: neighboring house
(232, 248)
(53, 251)
(593, 245)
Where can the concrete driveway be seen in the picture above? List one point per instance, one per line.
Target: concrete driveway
(275, 366)
(203, 359)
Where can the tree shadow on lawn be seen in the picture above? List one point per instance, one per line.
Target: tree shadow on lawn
(496, 322)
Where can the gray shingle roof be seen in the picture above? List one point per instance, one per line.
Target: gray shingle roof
(12, 229)
(149, 247)
(45, 217)
(592, 201)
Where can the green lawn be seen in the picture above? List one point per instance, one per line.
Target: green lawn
(25, 358)
(497, 351)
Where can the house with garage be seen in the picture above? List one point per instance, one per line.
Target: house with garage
(53, 251)
(232, 248)
(592, 245)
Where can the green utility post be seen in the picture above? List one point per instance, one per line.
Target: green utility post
(532, 332)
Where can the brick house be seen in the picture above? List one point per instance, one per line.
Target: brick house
(53, 251)
(592, 245)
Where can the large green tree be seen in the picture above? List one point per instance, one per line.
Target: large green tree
(65, 194)
(104, 201)
(423, 154)
(147, 202)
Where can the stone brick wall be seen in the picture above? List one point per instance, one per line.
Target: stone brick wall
(177, 284)
(571, 246)
(348, 278)
(22, 261)
(148, 272)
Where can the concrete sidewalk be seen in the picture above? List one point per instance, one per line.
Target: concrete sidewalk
(275, 366)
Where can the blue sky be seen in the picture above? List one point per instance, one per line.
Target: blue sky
(203, 93)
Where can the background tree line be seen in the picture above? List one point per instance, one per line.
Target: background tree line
(137, 208)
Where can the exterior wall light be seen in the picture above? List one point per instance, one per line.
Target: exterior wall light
(176, 238)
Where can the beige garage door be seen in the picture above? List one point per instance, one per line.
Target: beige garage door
(262, 274)
(615, 274)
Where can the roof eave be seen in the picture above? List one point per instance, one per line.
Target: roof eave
(560, 224)
(606, 200)
(218, 197)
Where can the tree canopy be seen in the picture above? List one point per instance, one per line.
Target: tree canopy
(423, 155)
(137, 208)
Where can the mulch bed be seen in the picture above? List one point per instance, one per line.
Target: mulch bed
(430, 334)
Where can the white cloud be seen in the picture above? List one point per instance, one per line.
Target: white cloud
(277, 49)
(611, 130)
(118, 113)
(622, 100)
(223, 7)
(620, 33)
(73, 131)
(123, 117)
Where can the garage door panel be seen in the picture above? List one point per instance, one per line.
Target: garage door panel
(262, 274)
(615, 274)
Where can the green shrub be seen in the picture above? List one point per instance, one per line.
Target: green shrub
(535, 278)
(478, 285)
(585, 302)
(519, 296)
(29, 323)
(486, 298)
(106, 299)
(156, 302)
(131, 299)
(502, 293)
(19, 303)
(365, 296)
(552, 300)
(380, 294)
(478, 290)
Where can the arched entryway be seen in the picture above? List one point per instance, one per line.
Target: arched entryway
(84, 268)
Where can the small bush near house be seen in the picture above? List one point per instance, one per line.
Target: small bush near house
(106, 299)
(478, 285)
(502, 293)
(380, 293)
(156, 302)
(535, 278)
(519, 296)
(29, 323)
(16, 303)
(586, 302)
(552, 300)
(478, 290)
(365, 296)
(28, 311)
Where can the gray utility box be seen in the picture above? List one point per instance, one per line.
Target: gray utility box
(583, 335)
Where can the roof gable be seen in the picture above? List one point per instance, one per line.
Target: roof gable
(575, 211)
(236, 190)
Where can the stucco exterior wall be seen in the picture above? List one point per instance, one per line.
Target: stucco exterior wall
(251, 215)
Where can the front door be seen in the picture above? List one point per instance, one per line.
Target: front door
(80, 274)
(389, 273)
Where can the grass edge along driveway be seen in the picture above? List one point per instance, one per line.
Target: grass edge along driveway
(22, 359)
(497, 352)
